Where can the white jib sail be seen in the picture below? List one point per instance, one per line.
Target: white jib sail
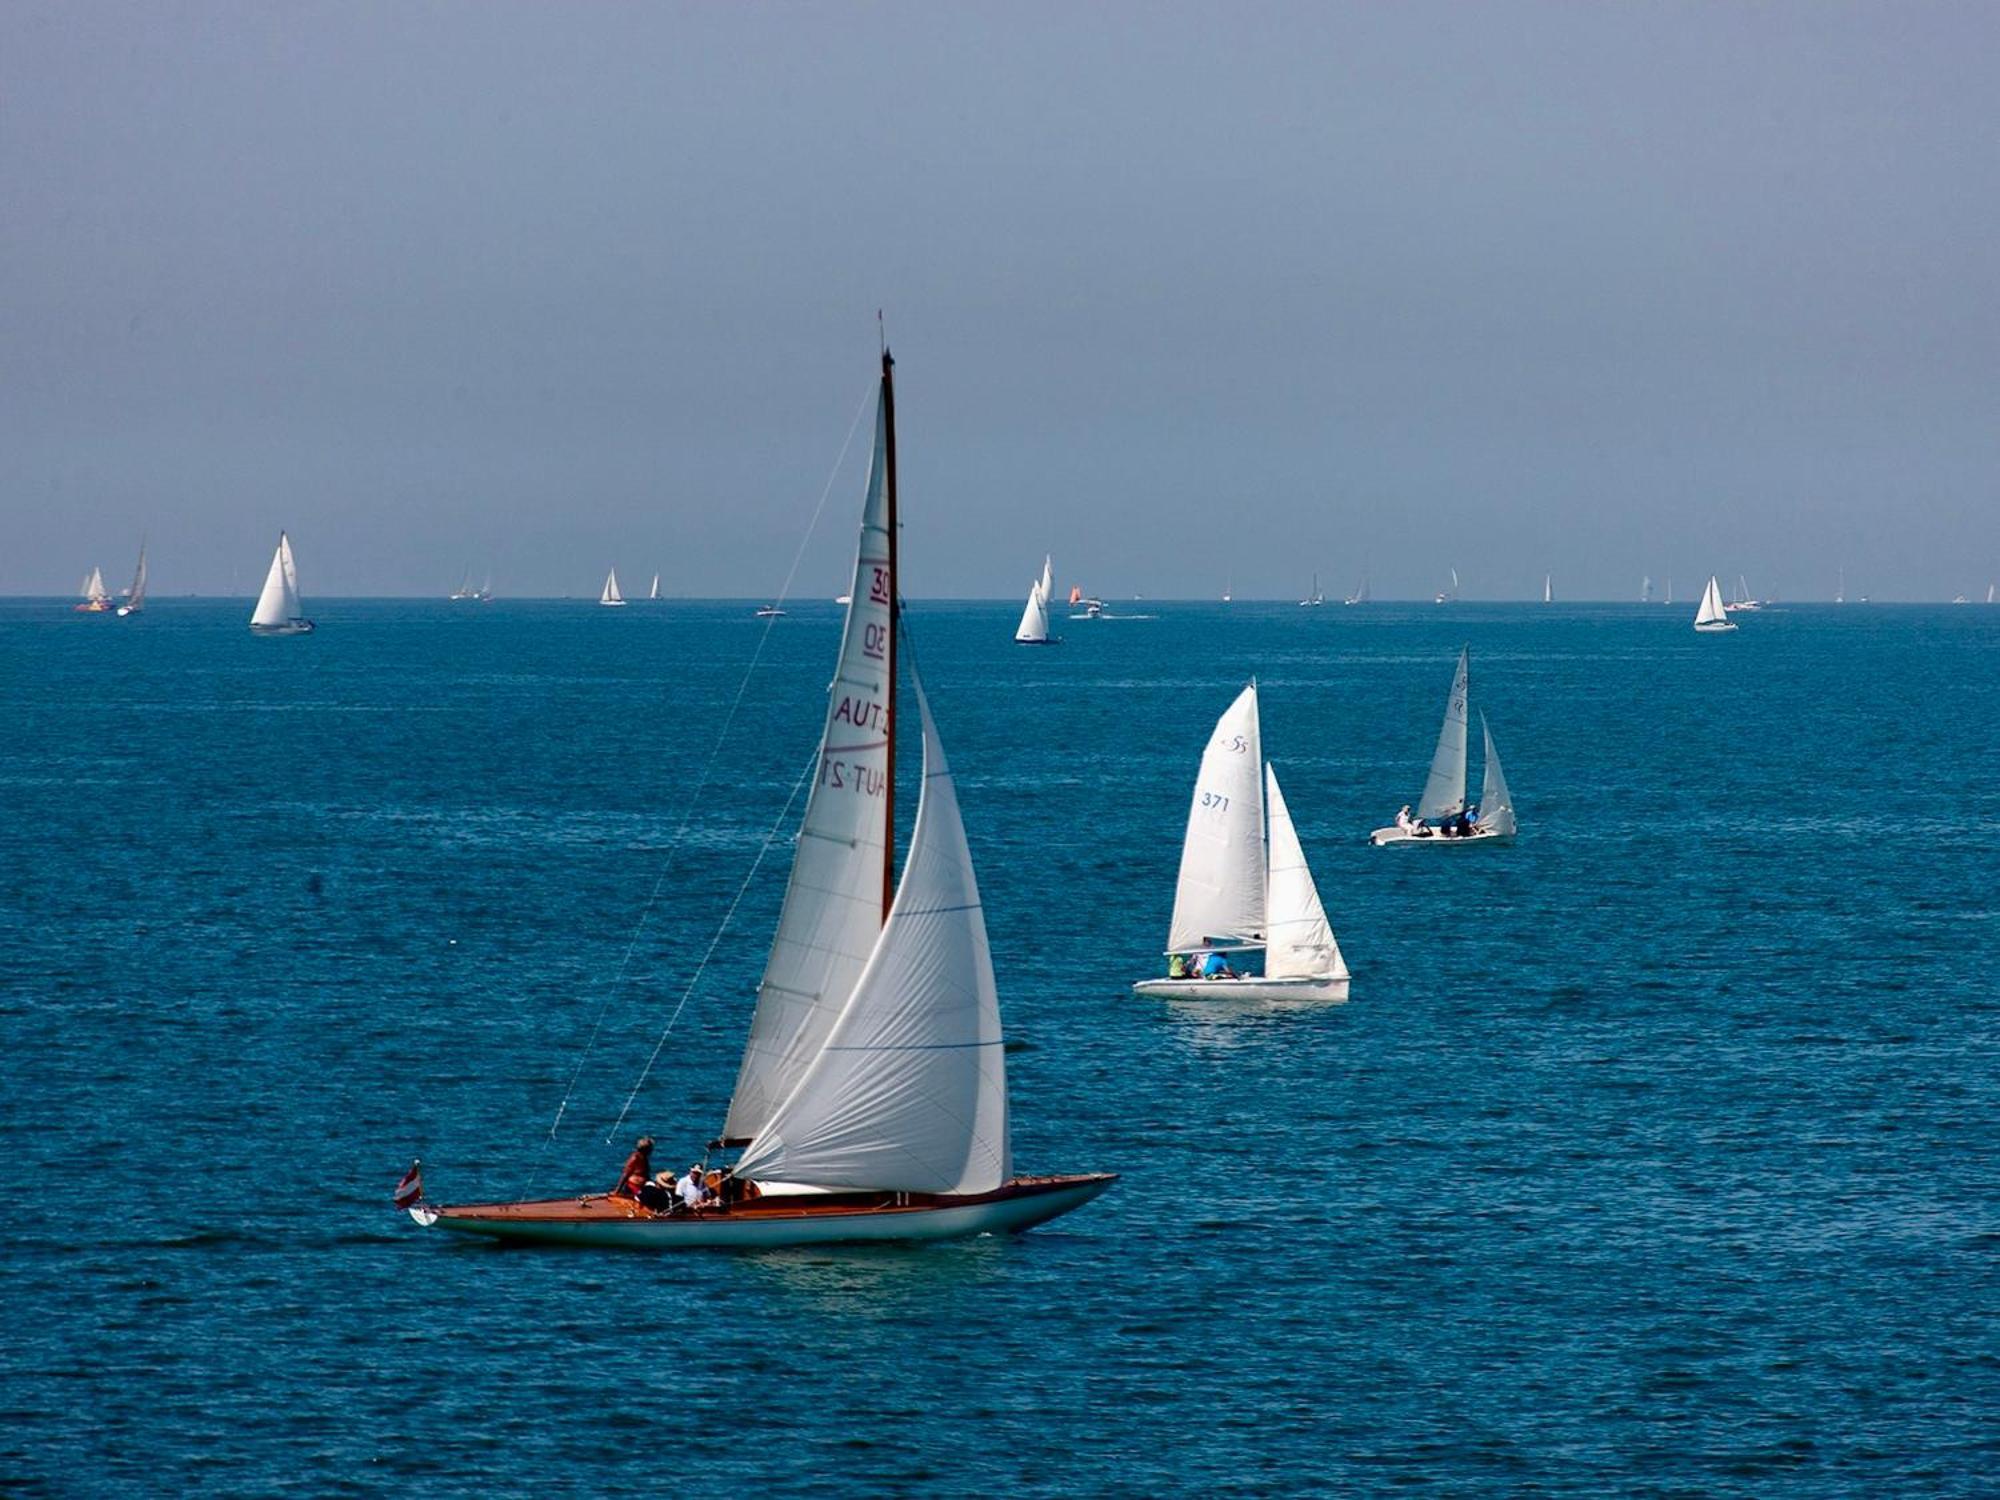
(833, 905)
(1300, 942)
(1220, 895)
(1034, 624)
(1711, 611)
(279, 602)
(908, 1092)
(656, 587)
(1444, 788)
(611, 594)
(1496, 803)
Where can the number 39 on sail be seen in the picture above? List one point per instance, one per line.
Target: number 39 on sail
(871, 1102)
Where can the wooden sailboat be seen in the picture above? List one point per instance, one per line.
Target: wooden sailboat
(1444, 788)
(871, 1102)
(96, 598)
(1711, 616)
(611, 598)
(1249, 899)
(135, 596)
(279, 610)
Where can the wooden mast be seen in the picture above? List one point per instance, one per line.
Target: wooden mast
(895, 602)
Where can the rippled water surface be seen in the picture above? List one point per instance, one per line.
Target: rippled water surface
(1653, 1155)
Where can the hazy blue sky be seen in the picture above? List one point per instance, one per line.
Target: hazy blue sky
(1176, 292)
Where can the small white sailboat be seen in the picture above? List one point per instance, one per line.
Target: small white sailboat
(1989, 593)
(1712, 615)
(1840, 587)
(465, 592)
(1360, 594)
(871, 1101)
(1444, 787)
(279, 610)
(1670, 590)
(1450, 595)
(1034, 627)
(1741, 600)
(135, 597)
(653, 594)
(1548, 588)
(611, 598)
(1315, 598)
(96, 598)
(1246, 899)
(1646, 589)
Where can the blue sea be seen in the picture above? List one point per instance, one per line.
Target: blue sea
(1653, 1155)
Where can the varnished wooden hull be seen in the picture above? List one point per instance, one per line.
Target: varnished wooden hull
(772, 1222)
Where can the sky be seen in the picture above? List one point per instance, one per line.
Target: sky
(1187, 295)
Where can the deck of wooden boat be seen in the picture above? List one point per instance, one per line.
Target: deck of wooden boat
(598, 1208)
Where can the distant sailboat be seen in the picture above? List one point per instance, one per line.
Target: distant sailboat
(871, 1099)
(279, 610)
(465, 592)
(1444, 787)
(1840, 588)
(1034, 627)
(1646, 589)
(653, 595)
(1742, 599)
(96, 598)
(611, 598)
(1548, 588)
(1712, 615)
(135, 597)
(1450, 595)
(1314, 599)
(1243, 897)
(1360, 594)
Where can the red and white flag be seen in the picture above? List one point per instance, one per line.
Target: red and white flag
(411, 1188)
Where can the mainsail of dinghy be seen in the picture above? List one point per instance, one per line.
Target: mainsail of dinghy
(1220, 894)
(1034, 627)
(1300, 941)
(278, 606)
(908, 1090)
(1496, 803)
(1444, 788)
(841, 881)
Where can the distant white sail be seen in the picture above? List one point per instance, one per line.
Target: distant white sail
(1300, 942)
(1034, 626)
(1548, 588)
(1711, 612)
(1048, 579)
(611, 594)
(1220, 894)
(1496, 803)
(135, 597)
(93, 586)
(656, 587)
(278, 605)
(1444, 788)
(909, 1091)
(833, 909)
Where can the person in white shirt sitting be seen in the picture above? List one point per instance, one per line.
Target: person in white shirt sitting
(693, 1193)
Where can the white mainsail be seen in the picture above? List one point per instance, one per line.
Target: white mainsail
(1711, 611)
(1048, 579)
(1496, 803)
(135, 597)
(1034, 626)
(833, 907)
(611, 594)
(908, 1091)
(1548, 588)
(1300, 940)
(279, 604)
(1444, 788)
(1220, 894)
(656, 588)
(93, 586)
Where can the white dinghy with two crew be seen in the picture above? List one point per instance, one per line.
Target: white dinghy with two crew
(1247, 923)
(871, 1102)
(1444, 789)
(279, 610)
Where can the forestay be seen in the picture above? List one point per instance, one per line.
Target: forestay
(1496, 803)
(908, 1092)
(1300, 943)
(1444, 788)
(833, 905)
(1220, 895)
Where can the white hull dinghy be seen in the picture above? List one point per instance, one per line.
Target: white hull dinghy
(1444, 787)
(279, 611)
(871, 1101)
(1239, 899)
(1712, 616)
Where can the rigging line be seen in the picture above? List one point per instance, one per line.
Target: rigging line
(721, 930)
(701, 784)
